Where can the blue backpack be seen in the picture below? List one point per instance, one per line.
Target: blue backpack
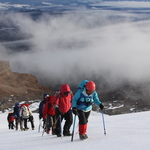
(82, 85)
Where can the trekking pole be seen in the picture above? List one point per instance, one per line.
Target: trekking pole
(54, 126)
(44, 127)
(73, 128)
(39, 125)
(103, 122)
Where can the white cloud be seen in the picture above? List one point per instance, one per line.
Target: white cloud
(74, 46)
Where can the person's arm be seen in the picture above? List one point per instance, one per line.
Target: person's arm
(97, 100)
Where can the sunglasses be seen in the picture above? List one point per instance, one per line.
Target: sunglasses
(89, 92)
(66, 93)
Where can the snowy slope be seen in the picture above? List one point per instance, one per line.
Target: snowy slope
(123, 132)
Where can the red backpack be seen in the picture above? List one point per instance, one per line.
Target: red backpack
(11, 117)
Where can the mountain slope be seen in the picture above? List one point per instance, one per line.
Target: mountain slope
(16, 87)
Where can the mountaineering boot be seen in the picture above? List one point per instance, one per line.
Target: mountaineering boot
(59, 135)
(86, 136)
(16, 127)
(82, 136)
(26, 129)
(48, 131)
(67, 134)
(53, 132)
(82, 131)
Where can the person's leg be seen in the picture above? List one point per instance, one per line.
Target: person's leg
(21, 123)
(12, 125)
(69, 119)
(25, 124)
(57, 129)
(16, 123)
(83, 120)
(32, 122)
(53, 126)
(49, 123)
(9, 125)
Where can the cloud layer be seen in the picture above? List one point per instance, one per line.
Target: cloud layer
(97, 45)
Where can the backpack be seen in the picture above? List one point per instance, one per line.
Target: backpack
(11, 117)
(51, 110)
(82, 85)
(25, 112)
(41, 106)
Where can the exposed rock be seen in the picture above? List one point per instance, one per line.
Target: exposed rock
(17, 87)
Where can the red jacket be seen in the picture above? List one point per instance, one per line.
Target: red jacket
(11, 117)
(63, 102)
(48, 107)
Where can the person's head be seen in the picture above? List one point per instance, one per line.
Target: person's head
(90, 87)
(65, 89)
(17, 105)
(45, 96)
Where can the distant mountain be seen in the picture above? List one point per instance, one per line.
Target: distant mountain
(70, 5)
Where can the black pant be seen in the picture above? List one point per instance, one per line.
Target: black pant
(18, 121)
(68, 122)
(31, 119)
(83, 117)
(25, 122)
(50, 121)
(11, 125)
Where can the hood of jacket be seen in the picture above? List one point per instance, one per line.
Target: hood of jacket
(65, 88)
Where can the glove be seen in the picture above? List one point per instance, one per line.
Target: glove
(75, 111)
(58, 111)
(101, 106)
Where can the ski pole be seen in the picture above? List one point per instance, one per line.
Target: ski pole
(73, 128)
(103, 122)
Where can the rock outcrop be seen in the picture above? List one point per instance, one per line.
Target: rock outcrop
(17, 87)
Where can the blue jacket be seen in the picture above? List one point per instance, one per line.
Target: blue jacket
(84, 102)
(17, 110)
(41, 105)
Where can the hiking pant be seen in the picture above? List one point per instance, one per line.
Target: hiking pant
(11, 125)
(68, 122)
(83, 120)
(31, 119)
(50, 122)
(83, 117)
(25, 123)
(18, 121)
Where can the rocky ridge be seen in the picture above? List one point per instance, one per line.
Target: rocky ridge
(17, 87)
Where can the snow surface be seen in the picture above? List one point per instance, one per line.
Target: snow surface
(123, 132)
